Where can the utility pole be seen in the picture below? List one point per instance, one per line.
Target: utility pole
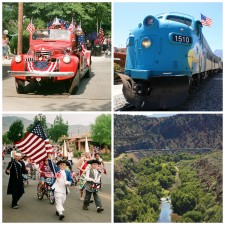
(20, 27)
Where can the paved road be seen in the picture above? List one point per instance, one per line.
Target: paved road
(94, 93)
(33, 210)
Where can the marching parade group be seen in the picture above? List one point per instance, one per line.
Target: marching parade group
(88, 179)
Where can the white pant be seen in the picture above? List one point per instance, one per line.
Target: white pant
(60, 198)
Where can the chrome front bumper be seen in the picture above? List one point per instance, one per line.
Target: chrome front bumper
(39, 74)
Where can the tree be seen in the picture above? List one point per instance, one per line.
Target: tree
(89, 13)
(43, 123)
(101, 130)
(15, 132)
(5, 139)
(58, 129)
(192, 216)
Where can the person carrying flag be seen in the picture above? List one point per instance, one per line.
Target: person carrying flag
(63, 179)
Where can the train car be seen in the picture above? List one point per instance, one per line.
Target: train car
(56, 55)
(167, 55)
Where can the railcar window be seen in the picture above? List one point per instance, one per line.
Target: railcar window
(159, 17)
(180, 20)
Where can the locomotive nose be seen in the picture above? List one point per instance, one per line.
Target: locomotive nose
(150, 21)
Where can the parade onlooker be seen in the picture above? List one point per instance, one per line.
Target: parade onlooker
(60, 186)
(15, 169)
(92, 185)
(5, 46)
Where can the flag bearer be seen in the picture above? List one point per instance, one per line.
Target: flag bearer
(60, 186)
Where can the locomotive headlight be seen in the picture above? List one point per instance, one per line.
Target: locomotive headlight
(66, 59)
(18, 58)
(149, 21)
(146, 43)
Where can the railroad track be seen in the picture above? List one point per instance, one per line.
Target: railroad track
(191, 103)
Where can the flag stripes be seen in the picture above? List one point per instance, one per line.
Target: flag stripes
(35, 144)
(206, 21)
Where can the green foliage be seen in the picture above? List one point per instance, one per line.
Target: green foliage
(58, 129)
(15, 132)
(5, 139)
(195, 200)
(140, 186)
(182, 202)
(88, 13)
(192, 216)
(42, 121)
(143, 182)
(25, 43)
(101, 130)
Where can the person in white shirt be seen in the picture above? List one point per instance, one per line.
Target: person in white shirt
(92, 185)
(62, 181)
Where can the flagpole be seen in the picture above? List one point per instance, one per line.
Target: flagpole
(97, 26)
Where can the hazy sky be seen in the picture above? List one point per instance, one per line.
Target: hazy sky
(72, 118)
(127, 16)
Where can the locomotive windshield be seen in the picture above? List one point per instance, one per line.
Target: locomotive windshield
(52, 34)
(180, 20)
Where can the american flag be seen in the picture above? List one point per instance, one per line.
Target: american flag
(72, 26)
(35, 144)
(206, 21)
(101, 35)
(31, 27)
(83, 49)
(41, 66)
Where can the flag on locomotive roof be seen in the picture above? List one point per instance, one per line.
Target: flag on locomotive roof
(101, 35)
(30, 27)
(35, 144)
(206, 21)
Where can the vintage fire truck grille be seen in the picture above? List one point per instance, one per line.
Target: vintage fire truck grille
(29, 60)
(46, 54)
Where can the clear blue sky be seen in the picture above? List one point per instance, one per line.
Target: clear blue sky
(128, 15)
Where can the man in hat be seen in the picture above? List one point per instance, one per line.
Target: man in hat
(92, 185)
(62, 181)
(15, 169)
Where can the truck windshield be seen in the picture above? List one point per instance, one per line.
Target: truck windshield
(52, 34)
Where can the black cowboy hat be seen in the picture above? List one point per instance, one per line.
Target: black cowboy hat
(94, 161)
(63, 161)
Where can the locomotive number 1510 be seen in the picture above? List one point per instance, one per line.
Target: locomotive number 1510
(182, 39)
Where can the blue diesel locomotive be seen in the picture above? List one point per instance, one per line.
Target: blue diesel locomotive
(167, 56)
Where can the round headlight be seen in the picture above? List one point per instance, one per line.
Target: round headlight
(149, 21)
(66, 59)
(146, 43)
(18, 58)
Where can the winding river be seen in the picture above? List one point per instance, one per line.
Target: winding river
(165, 214)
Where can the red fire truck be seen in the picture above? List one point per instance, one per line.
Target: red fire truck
(55, 55)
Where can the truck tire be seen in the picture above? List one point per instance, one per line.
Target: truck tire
(74, 84)
(88, 73)
(20, 86)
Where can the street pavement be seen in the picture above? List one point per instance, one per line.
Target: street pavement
(31, 209)
(94, 93)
